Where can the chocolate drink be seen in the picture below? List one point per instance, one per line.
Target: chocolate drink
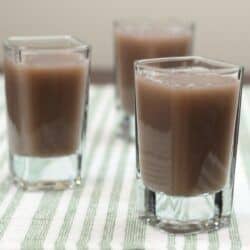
(45, 104)
(131, 45)
(185, 131)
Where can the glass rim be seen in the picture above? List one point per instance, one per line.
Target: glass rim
(77, 44)
(224, 67)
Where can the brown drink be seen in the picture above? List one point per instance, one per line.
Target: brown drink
(185, 131)
(45, 102)
(145, 41)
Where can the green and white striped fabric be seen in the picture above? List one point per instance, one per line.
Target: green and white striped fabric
(102, 213)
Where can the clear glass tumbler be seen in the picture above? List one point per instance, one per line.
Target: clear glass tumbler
(46, 85)
(187, 122)
(142, 39)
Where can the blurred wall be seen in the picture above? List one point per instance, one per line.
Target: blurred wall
(223, 29)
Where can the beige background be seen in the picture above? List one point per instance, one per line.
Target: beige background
(223, 26)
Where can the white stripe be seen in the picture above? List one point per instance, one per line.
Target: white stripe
(122, 210)
(4, 171)
(155, 238)
(202, 241)
(242, 202)
(3, 133)
(10, 193)
(3, 154)
(101, 213)
(95, 122)
(21, 219)
(245, 112)
(2, 91)
(58, 219)
(224, 238)
(3, 148)
(90, 183)
(3, 124)
(7, 200)
(179, 242)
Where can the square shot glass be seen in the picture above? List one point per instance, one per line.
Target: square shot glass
(187, 123)
(46, 86)
(143, 39)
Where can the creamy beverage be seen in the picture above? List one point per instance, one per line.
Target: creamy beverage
(45, 103)
(185, 131)
(138, 42)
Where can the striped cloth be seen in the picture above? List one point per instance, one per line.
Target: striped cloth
(102, 213)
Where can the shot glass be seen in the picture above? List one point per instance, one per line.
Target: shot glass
(142, 39)
(46, 86)
(187, 122)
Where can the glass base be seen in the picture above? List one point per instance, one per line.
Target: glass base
(185, 215)
(51, 173)
(126, 128)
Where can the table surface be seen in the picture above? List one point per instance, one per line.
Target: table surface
(102, 213)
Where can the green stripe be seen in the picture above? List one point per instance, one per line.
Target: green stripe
(68, 219)
(190, 242)
(213, 240)
(3, 159)
(114, 199)
(5, 220)
(95, 196)
(2, 107)
(73, 204)
(41, 221)
(135, 229)
(234, 234)
(3, 135)
(2, 139)
(4, 188)
(171, 242)
(6, 183)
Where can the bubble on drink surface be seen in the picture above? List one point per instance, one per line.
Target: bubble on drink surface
(191, 85)
(189, 77)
